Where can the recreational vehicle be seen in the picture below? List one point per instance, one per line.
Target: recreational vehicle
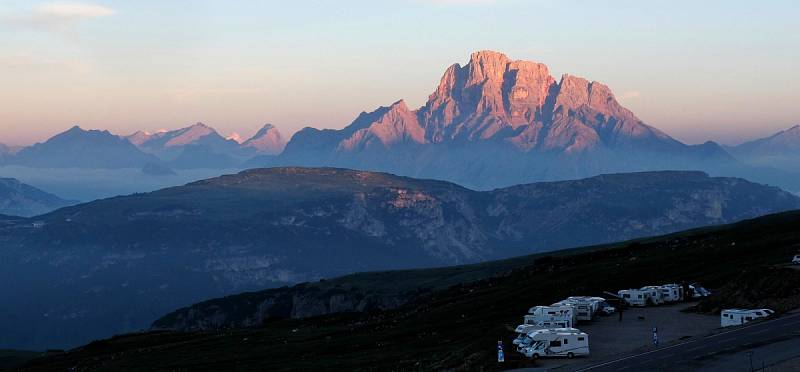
(672, 292)
(533, 336)
(734, 317)
(538, 314)
(586, 307)
(523, 330)
(654, 295)
(634, 297)
(557, 344)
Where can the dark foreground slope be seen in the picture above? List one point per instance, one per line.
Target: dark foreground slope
(115, 265)
(456, 327)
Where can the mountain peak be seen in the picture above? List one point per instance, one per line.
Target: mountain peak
(399, 105)
(268, 140)
(487, 65)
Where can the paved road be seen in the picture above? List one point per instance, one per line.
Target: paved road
(772, 342)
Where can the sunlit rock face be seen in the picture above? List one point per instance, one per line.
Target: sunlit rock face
(495, 122)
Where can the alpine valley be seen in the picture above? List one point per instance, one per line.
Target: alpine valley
(115, 265)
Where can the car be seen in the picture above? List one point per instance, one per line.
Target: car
(796, 259)
(607, 309)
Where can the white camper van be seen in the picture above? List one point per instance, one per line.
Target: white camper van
(523, 330)
(734, 317)
(557, 344)
(672, 292)
(538, 314)
(654, 295)
(634, 297)
(586, 307)
(527, 339)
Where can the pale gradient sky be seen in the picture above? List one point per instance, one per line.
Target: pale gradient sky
(720, 70)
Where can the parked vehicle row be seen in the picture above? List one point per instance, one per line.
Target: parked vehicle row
(548, 331)
(661, 294)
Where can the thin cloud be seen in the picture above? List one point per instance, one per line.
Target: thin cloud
(631, 94)
(73, 11)
(60, 15)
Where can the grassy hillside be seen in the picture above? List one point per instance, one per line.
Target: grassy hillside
(458, 327)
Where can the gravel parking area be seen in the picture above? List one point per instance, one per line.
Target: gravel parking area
(609, 337)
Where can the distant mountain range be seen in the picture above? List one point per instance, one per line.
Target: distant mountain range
(19, 199)
(116, 264)
(196, 146)
(78, 148)
(493, 122)
(496, 122)
(781, 150)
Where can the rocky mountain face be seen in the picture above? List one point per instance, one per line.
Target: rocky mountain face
(115, 265)
(78, 148)
(268, 140)
(495, 122)
(19, 199)
(781, 150)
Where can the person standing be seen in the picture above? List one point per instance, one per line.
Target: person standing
(655, 336)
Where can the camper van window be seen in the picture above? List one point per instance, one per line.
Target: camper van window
(556, 343)
(580, 338)
(566, 341)
(759, 313)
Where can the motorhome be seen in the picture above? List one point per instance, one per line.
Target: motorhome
(734, 317)
(654, 294)
(672, 292)
(523, 330)
(557, 344)
(538, 314)
(586, 307)
(529, 338)
(634, 297)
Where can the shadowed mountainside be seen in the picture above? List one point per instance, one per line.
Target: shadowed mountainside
(455, 325)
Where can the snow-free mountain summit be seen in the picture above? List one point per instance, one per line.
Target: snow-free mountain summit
(496, 121)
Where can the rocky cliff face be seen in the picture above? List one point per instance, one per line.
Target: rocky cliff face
(495, 122)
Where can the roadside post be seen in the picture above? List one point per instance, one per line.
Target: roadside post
(500, 355)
